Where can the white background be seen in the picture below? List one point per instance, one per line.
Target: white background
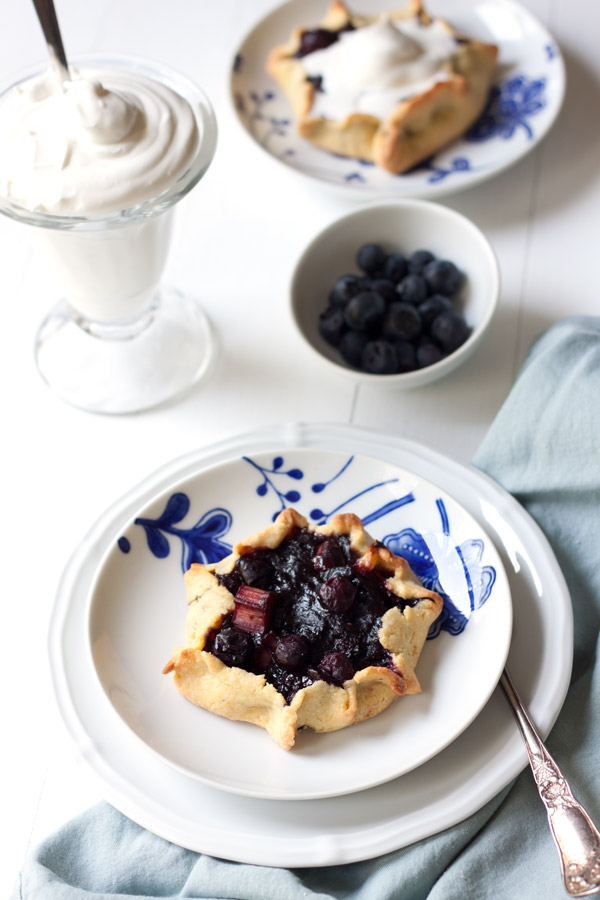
(238, 235)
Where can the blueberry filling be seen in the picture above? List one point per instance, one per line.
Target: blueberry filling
(319, 39)
(317, 82)
(304, 612)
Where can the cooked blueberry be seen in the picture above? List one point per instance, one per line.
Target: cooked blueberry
(336, 668)
(402, 322)
(406, 356)
(344, 289)
(412, 289)
(443, 277)
(432, 307)
(351, 346)
(365, 312)
(395, 267)
(262, 658)
(428, 353)
(370, 258)
(232, 647)
(329, 555)
(337, 594)
(331, 324)
(449, 330)
(255, 569)
(379, 358)
(315, 39)
(385, 287)
(291, 651)
(418, 260)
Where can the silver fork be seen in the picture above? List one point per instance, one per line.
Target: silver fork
(575, 835)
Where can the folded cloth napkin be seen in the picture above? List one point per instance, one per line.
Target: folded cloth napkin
(544, 447)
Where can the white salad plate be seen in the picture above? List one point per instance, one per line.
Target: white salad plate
(524, 102)
(184, 809)
(137, 613)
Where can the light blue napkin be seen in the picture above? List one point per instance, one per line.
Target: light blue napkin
(544, 447)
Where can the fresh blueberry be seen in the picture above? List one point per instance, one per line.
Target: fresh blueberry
(428, 353)
(418, 260)
(232, 647)
(406, 356)
(352, 345)
(443, 277)
(395, 267)
(432, 307)
(385, 287)
(402, 322)
(412, 289)
(331, 324)
(449, 330)
(336, 668)
(379, 358)
(370, 258)
(344, 289)
(365, 312)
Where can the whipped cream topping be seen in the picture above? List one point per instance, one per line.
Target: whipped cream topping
(103, 142)
(372, 69)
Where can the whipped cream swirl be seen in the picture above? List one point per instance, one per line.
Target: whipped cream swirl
(103, 142)
(372, 69)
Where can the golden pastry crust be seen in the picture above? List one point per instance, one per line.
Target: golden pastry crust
(418, 126)
(244, 696)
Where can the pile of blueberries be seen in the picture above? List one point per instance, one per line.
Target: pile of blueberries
(397, 316)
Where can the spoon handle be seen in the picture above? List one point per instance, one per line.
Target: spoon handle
(575, 835)
(49, 22)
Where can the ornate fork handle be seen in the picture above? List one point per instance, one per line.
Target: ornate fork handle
(575, 835)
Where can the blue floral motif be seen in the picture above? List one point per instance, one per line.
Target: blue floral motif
(263, 126)
(458, 165)
(508, 108)
(268, 482)
(202, 543)
(479, 579)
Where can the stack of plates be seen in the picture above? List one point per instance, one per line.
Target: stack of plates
(224, 788)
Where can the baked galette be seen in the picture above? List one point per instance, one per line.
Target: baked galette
(390, 89)
(303, 626)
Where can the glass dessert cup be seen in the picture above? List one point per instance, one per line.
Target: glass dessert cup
(118, 341)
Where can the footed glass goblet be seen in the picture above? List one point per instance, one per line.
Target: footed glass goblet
(117, 341)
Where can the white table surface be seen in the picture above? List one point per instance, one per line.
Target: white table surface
(237, 237)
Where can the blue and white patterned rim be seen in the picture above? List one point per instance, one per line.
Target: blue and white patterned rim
(280, 486)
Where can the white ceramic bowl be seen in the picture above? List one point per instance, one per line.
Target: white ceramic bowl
(404, 226)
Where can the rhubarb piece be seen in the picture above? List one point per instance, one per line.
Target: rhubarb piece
(253, 609)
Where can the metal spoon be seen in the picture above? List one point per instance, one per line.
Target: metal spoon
(47, 16)
(575, 835)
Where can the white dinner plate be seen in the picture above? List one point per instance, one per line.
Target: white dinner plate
(439, 793)
(525, 99)
(137, 613)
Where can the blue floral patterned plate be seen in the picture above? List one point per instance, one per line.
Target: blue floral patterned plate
(522, 106)
(137, 610)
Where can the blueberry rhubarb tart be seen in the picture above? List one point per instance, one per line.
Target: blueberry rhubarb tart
(390, 89)
(303, 626)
